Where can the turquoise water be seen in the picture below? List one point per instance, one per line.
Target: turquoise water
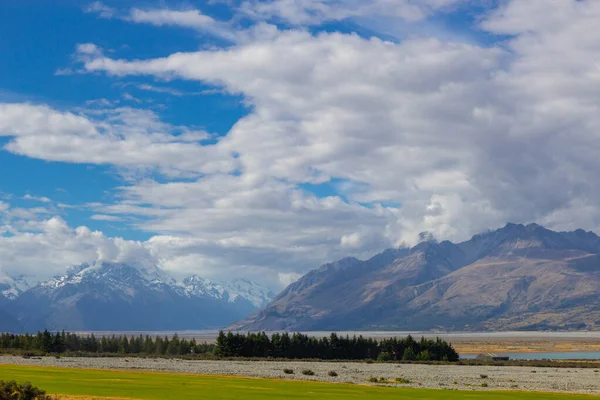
(578, 355)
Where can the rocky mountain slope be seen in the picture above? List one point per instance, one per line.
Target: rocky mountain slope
(108, 296)
(517, 277)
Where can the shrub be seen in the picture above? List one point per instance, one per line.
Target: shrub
(373, 380)
(385, 356)
(382, 379)
(308, 372)
(484, 384)
(14, 391)
(402, 381)
(332, 373)
(288, 371)
(483, 376)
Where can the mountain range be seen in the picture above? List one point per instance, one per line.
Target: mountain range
(120, 297)
(515, 278)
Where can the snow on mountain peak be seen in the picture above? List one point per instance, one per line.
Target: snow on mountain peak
(117, 272)
(12, 287)
(256, 294)
(124, 275)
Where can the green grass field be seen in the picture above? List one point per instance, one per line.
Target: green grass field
(151, 385)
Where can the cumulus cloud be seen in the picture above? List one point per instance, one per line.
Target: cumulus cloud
(249, 224)
(425, 135)
(47, 247)
(463, 136)
(123, 137)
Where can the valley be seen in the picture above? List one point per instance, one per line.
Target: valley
(132, 378)
(517, 278)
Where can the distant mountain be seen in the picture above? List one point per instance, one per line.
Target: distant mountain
(518, 277)
(11, 288)
(110, 296)
(8, 323)
(236, 291)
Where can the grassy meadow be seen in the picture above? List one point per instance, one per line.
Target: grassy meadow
(78, 383)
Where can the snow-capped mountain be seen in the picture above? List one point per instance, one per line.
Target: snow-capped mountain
(231, 292)
(12, 287)
(116, 275)
(116, 296)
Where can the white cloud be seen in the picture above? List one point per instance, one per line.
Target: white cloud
(48, 247)
(251, 225)
(288, 278)
(101, 9)
(189, 18)
(129, 97)
(88, 49)
(123, 137)
(102, 217)
(64, 72)
(464, 137)
(192, 19)
(42, 199)
(314, 12)
(102, 102)
(459, 137)
(160, 89)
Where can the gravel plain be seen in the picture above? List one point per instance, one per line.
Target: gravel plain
(424, 376)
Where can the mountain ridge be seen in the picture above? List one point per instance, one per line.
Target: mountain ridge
(118, 296)
(516, 277)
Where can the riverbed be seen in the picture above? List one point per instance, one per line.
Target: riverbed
(456, 377)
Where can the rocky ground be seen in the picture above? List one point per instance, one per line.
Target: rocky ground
(425, 376)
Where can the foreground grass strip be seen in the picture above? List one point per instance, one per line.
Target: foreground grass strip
(154, 385)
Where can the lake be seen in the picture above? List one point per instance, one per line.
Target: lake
(576, 355)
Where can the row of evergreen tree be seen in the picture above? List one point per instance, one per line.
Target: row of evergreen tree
(62, 342)
(251, 345)
(334, 347)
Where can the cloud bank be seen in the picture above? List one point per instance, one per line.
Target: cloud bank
(420, 135)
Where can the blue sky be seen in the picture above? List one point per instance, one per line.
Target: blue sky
(262, 138)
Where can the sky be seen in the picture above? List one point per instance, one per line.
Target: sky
(261, 139)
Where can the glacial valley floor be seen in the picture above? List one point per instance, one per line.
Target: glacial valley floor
(445, 377)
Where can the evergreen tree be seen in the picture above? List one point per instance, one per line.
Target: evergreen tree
(409, 354)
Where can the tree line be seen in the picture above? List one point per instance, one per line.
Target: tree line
(63, 342)
(333, 347)
(250, 345)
